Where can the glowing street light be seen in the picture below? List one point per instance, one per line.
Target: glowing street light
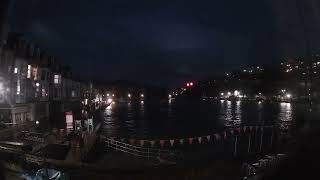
(236, 93)
(222, 94)
(169, 95)
(129, 95)
(108, 94)
(229, 93)
(112, 95)
(37, 84)
(289, 95)
(142, 95)
(109, 100)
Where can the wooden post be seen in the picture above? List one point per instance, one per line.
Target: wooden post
(235, 147)
(261, 139)
(249, 143)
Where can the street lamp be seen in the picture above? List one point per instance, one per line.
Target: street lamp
(129, 95)
(142, 95)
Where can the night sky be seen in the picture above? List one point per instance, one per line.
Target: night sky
(161, 42)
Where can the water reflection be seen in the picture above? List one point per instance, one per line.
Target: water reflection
(143, 119)
(230, 113)
(285, 116)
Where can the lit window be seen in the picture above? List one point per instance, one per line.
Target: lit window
(43, 92)
(18, 87)
(35, 73)
(15, 70)
(56, 79)
(29, 72)
(73, 93)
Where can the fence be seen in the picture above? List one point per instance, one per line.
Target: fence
(149, 153)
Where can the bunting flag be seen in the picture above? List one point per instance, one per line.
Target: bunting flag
(132, 141)
(238, 130)
(232, 132)
(250, 128)
(162, 143)
(190, 140)
(152, 143)
(208, 138)
(171, 142)
(199, 140)
(217, 136)
(244, 128)
(225, 135)
(141, 142)
(181, 141)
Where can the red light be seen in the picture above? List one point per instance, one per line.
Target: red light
(191, 84)
(188, 84)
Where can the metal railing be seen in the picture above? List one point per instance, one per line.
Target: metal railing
(149, 153)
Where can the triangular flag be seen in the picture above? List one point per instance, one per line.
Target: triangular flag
(190, 140)
(208, 138)
(131, 141)
(162, 143)
(217, 136)
(152, 143)
(171, 142)
(181, 141)
(199, 140)
(225, 135)
(238, 130)
(244, 128)
(141, 142)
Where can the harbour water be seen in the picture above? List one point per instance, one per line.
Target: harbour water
(183, 118)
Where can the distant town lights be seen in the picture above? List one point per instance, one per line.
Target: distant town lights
(108, 94)
(37, 84)
(169, 96)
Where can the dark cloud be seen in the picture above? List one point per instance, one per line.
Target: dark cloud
(163, 42)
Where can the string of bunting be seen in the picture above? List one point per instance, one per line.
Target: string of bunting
(191, 140)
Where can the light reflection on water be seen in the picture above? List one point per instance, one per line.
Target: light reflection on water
(230, 113)
(174, 119)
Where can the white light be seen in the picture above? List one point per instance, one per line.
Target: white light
(15, 70)
(229, 93)
(108, 94)
(37, 84)
(169, 96)
(142, 95)
(109, 107)
(236, 93)
(288, 95)
(227, 74)
(109, 100)
(191, 84)
(129, 95)
(222, 94)
(142, 102)
(37, 122)
(112, 95)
